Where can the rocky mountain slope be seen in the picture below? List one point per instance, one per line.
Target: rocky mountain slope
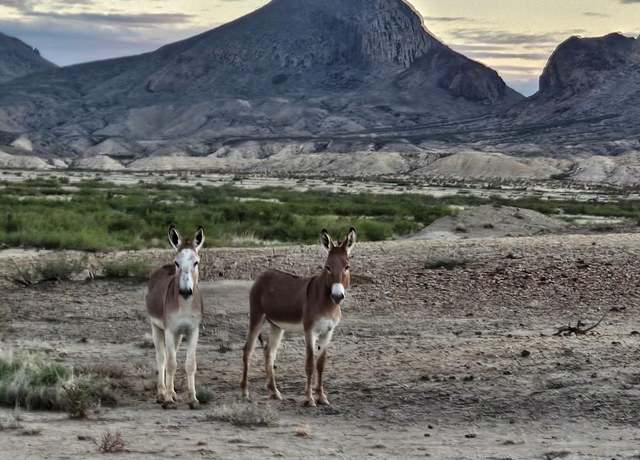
(358, 88)
(292, 68)
(590, 76)
(18, 59)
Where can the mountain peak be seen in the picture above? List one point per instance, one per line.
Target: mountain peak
(579, 64)
(18, 59)
(290, 68)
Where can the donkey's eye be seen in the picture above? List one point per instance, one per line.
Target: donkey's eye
(196, 264)
(346, 269)
(327, 268)
(177, 264)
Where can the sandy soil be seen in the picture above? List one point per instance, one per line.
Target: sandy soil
(446, 364)
(492, 222)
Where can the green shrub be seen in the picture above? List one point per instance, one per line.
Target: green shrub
(99, 216)
(32, 382)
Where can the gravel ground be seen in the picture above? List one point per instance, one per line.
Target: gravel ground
(458, 363)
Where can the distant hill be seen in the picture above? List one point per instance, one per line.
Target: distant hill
(588, 76)
(18, 59)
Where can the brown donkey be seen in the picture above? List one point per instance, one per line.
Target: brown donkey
(309, 305)
(174, 304)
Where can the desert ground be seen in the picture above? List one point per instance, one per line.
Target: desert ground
(428, 362)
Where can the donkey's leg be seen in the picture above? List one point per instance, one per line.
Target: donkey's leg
(310, 344)
(270, 352)
(190, 367)
(172, 365)
(255, 323)
(161, 361)
(323, 344)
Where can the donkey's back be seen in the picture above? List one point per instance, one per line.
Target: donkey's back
(278, 295)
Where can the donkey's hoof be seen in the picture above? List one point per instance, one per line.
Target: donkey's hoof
(169, 405)
(323, 401)
(194, 404)
(310, 403)
(276, 396)
(174, 396)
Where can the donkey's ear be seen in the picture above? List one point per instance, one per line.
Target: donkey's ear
(199, 238)
(174, 237)
(325, 240)
(350, 240)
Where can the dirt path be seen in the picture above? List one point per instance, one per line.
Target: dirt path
(443, 363)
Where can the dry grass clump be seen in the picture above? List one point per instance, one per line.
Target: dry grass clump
(11, 421)
(30, 381)
(448, 263)
(58, 269)
(245, 415)
(110, 443)
(136, 269)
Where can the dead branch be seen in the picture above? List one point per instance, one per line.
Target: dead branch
(579, 328)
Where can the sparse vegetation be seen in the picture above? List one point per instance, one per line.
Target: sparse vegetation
(205, 394)
(447, 263)
(11, 421)
(245, 415)
(55, 269)
(121, 269)
(35, 383)
(461, 228)
(110, 443)
(99, 216)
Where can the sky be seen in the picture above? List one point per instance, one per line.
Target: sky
(515, 37)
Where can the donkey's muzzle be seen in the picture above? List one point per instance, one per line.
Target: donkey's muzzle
(186, 293)
(337, 298)
(338, 293)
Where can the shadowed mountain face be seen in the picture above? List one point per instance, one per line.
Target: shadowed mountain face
(18, 59)
(582, 64)
(588, 77)
(292, 68)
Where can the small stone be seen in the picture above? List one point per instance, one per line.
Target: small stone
(525, 353)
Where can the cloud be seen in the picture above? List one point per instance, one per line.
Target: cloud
(67, 42)
(447, 18)
(144, 19)
(27, 9)
(499, 37)
(68, 37)
(507, 55)
(629, 2)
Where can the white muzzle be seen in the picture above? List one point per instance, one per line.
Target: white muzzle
(338, 293)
